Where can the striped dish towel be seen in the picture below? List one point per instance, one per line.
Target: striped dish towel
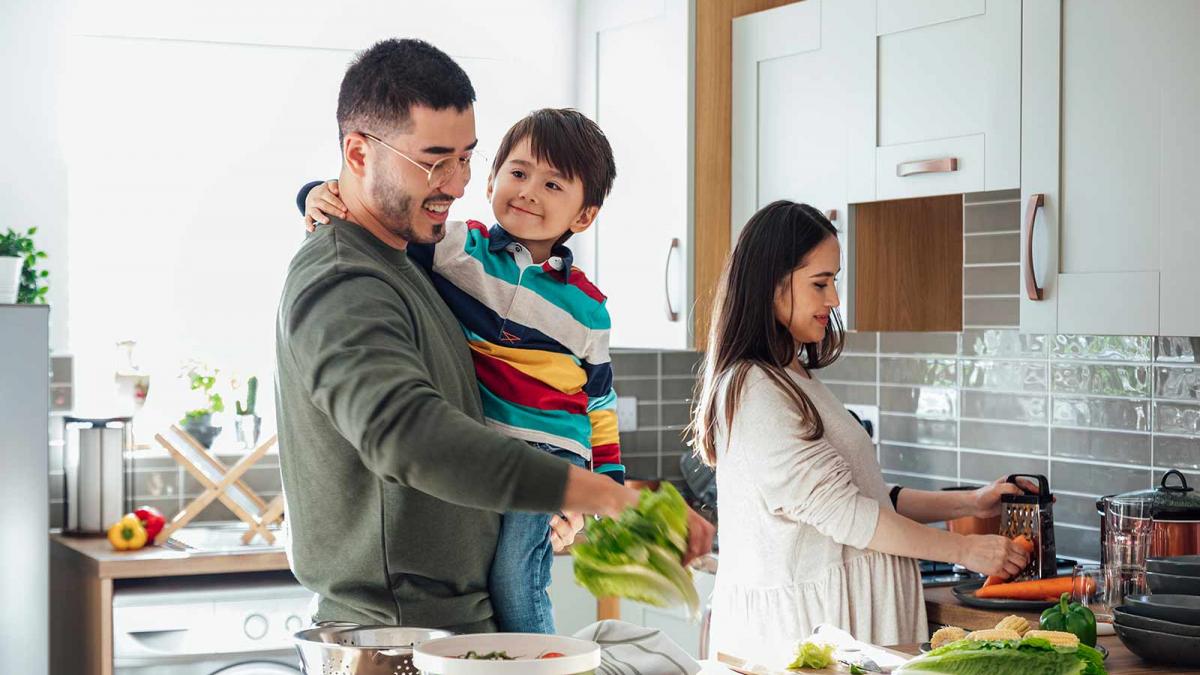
(628, 649)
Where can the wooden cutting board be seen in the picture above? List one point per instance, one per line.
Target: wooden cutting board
(744, 667)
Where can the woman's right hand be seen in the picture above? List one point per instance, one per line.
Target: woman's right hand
(994, 555)
(322, 201)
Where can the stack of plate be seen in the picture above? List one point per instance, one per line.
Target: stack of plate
(1164, 627)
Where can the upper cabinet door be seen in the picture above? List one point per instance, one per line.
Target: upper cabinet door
(1110, 149)
(791, 128)
(635, 67)
(947, 86)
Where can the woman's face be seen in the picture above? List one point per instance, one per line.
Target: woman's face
(805, 298)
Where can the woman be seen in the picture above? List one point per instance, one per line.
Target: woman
(808, 532)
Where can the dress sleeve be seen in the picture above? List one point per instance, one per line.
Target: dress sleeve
(802, 480)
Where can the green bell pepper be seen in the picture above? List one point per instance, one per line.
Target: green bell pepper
(1073, 618)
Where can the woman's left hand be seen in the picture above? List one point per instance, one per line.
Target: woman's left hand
(987, 498)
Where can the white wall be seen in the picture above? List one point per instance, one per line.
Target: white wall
(190, 129)
(33, 178)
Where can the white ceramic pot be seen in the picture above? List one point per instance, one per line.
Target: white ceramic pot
(10, 278)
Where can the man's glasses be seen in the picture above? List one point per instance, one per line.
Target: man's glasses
(440, 172)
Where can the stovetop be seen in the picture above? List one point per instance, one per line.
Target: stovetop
(935, 573)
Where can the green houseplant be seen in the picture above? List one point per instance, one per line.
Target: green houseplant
(198, 421)
(18, 268)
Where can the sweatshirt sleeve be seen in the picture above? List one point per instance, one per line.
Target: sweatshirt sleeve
(805, 481)
(303, 194)
(355, 346)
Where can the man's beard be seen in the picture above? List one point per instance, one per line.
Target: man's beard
(396, 210)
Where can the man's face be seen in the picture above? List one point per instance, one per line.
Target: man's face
(399, 190)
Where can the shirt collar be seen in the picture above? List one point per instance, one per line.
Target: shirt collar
(561, 259)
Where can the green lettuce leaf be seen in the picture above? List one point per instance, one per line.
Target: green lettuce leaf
(639, 554)
(1031, 656)
(812, 655)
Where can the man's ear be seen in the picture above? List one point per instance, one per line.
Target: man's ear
(354, 153)
(585, 219)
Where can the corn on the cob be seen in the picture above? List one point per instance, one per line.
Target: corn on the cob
(1057, 638)
(1014, 622)
(994, 634)
(945, 636)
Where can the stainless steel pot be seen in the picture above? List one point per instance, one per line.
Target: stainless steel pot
(351, 649)
(1175, 516)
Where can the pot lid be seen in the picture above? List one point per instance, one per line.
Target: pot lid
(1173, 499)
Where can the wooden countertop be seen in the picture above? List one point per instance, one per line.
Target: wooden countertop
(943, 608)
(94, 556)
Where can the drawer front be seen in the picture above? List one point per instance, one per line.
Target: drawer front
(941, 167)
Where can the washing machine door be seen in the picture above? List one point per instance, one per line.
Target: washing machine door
(257, 668)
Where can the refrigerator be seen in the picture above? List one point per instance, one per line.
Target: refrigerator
(24, 488)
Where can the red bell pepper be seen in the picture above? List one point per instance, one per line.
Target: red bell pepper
(152, 519)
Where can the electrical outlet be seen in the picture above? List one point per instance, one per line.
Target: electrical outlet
(627, 413)
(868, 414)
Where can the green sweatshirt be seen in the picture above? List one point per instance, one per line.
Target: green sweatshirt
(393, 485)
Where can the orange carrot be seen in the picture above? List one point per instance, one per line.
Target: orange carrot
(1037, 589)
(1022, 541)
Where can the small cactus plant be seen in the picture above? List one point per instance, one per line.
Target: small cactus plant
(251, 397)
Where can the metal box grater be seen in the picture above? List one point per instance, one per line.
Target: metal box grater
(1033, 516)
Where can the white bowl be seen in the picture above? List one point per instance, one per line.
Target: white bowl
(444, 656)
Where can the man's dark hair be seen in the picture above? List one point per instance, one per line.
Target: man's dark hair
(570, 142)
(385, 81)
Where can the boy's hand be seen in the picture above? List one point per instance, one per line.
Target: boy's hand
(322, 201)
(563, 530)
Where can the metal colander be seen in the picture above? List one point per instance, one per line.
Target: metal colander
(351, 649)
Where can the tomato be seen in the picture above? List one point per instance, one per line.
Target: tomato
(552, 655)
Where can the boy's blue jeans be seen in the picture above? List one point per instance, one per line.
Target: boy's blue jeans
(520, 573)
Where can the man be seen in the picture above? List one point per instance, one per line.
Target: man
(393, 485)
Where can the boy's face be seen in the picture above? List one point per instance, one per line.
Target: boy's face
(533, 201)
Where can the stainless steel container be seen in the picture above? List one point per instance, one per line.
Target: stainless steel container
(351, 649)
(95, 474)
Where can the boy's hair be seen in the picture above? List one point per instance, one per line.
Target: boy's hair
(569, 141)
(385, 81)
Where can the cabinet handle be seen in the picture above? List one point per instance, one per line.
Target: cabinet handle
(672, 315)
(943, 165)
(1032, 289)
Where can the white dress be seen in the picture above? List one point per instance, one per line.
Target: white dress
(795, 516)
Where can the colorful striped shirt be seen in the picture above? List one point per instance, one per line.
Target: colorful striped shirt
(539, 338)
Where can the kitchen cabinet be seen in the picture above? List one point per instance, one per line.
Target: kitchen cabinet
(635, 80)
(946, 115)
(1109, 150)
(793, 114)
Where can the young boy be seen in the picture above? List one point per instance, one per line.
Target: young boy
(537, 328)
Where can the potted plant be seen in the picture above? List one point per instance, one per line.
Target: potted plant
(19, 276)
(248, 423)
(198, 421)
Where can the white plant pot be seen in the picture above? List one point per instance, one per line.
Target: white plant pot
(10, 278)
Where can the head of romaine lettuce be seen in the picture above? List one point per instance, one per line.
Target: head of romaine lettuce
(1007, 657)
(639, 554)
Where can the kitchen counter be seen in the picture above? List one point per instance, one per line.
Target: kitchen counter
(83, 573)
(944, 609)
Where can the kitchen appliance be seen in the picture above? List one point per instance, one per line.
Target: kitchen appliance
(1031, 515)
(335, 648)
(95, 481)
(229, 624)
(1174, 514)
(24, 490)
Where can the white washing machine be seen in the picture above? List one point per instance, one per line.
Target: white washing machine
(226, 624)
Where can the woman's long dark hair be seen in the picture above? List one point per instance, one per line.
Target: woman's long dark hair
(744, 332)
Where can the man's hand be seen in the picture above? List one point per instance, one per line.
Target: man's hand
(563, 530)
(322, 201)
(700, 537)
